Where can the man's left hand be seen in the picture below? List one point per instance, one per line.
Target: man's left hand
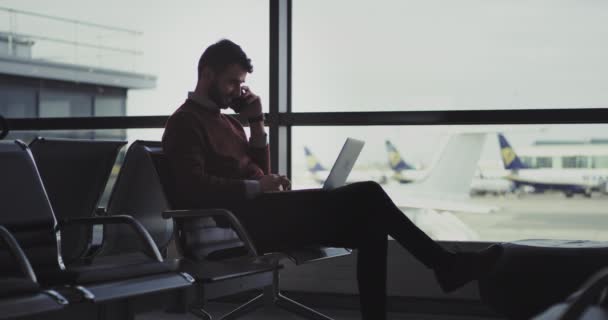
(254, 104)
(285, 183)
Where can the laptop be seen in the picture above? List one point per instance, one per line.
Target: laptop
(340, 170)
(344, 164)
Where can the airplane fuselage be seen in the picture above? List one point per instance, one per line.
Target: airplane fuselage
(569, 181)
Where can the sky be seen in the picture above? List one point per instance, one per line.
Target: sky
(364, 56)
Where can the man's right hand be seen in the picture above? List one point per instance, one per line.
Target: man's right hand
(272, 182)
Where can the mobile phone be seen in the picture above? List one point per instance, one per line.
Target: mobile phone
(239, 103)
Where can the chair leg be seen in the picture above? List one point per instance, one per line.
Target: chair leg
(248, 307)
(272, 298)
(200, 313)
(275, 297)
(298, 308)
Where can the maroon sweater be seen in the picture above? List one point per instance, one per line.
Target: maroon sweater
(210, 157)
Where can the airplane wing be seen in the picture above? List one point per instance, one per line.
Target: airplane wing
(441, 225)
(448, 183)
(464, 205)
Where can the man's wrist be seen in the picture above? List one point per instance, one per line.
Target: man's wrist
(258, 118)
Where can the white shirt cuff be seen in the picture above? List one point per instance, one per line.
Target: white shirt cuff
(258, 141)
(252, 188)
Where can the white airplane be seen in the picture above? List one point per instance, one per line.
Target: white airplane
(483, 184)
(319, 173)
(406, 173)
(447, 182)
(402, 171)
(431, 199)
(567, 180)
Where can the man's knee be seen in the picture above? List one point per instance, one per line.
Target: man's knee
(369, 187)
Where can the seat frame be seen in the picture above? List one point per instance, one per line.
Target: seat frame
(26, 304)
(102, 291)
(271, 297)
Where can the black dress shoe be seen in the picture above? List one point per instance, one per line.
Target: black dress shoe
(466, 267)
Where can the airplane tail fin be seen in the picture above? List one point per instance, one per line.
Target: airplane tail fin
(394, 158)
(454, 168)
(312, 163)
(509, 158)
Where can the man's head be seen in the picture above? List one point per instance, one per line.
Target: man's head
(222, 69)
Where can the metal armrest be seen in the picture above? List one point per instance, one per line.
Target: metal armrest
(587, 295)
(3, 128)
(201, 213)
(144, 236)
(17, 252)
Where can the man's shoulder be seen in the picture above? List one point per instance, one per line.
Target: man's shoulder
(182, 123)
(183, 113)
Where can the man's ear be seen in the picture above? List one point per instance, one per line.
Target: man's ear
(208, 73)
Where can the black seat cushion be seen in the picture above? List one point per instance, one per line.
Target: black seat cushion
(228, 253)
(110, 268)
(210, 271)
(17, 286)
(531, 275)
(119, 267)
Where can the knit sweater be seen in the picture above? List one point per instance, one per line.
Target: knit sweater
(210, 158)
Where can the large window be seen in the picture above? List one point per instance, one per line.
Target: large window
(456, 186)
(63, 104)
(544, 162)
(437, 55)
(600, 162)
(575, 162)
(17, 102)
(392, 56)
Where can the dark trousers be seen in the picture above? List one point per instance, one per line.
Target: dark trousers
(358, 216)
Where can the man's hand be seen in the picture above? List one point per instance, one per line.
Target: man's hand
(254, 104)
(274, 182)
(270, 182)
(285, 183)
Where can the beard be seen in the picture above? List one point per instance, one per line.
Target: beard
(216, 96)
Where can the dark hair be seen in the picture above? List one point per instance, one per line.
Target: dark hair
(222, 54)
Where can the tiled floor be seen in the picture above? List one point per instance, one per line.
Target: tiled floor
(217, 309)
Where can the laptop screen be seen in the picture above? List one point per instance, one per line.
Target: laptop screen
(344, 164)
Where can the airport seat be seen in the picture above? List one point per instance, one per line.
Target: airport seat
(28, 215)
(3, 128)
(20, 294)
(201, 238)
(590, 302)
(531, 275)
(75, 173)
(138, 191)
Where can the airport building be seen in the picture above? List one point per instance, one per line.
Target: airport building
(46, 77)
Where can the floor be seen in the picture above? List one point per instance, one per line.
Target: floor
(217, 309)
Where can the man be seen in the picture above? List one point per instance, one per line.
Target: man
(214, 165)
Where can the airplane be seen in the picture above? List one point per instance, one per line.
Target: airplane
(406, 173)
(318, 172)
(570, 181)
(483, 184)
(445, 186)
(402, 171)
(431, 200)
